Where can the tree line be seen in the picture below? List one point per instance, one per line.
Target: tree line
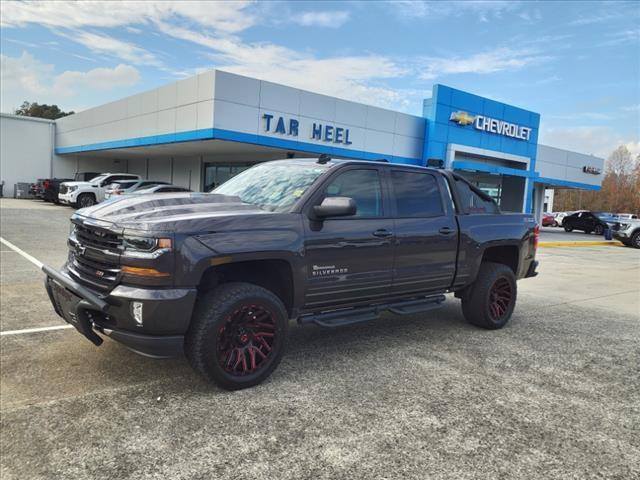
(620, 191)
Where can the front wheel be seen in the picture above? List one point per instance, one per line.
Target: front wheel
(635, 240)
(491, 299)
(86, 200)
(237, 335)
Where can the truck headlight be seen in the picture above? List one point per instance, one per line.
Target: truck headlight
(73, 228)
(73, 188)
(624, 226)
(145, 244)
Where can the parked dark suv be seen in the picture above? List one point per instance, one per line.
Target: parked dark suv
(218, 275)
(586, 221)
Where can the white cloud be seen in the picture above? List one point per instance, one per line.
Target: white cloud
(622, 37)
(99, 79)
(104, 44)
(352, 77)
(599, 141)
(26, 78)
(229, 16)
(483, 10)
(496, 60)
(329, 19)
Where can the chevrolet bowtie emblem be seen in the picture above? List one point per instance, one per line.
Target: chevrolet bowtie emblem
(462, 118)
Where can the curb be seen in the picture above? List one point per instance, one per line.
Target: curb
(587, 243)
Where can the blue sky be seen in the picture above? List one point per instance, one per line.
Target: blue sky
(576, 63)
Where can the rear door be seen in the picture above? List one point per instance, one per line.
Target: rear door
(350, 259)
(426, 235)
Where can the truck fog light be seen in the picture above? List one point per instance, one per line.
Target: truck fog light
(136, 310)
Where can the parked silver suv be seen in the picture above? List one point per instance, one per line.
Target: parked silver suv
(627, 231)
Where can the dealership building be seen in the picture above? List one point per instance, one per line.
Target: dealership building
(201, 131)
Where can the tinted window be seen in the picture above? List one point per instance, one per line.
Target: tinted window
(361, 185)
(151, 184)
(122, 184)
(472, 202)
(417, 194)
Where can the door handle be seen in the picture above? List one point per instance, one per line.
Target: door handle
(445, 230)
(382, 233)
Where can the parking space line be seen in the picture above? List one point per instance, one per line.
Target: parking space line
(35, 330)
(24, 254)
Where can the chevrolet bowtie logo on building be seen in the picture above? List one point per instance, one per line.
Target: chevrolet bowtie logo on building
(492, 125)
(462, 118)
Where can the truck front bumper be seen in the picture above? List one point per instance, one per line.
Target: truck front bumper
(164, 314)
(67, 198)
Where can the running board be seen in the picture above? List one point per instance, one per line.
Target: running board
(350, 316)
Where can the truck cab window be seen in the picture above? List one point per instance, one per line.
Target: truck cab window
(361, 185)
(417, 194)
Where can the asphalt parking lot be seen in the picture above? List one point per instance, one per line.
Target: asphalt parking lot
(555, 394)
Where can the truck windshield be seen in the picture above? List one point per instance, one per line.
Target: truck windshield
(271, 186)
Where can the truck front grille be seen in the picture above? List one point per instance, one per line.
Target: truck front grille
(102, 239)
(94, 257)
(63, 189)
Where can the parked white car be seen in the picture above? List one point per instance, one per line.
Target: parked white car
(86, 194)
(124, 187)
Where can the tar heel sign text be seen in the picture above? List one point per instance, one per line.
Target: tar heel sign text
(314, 130)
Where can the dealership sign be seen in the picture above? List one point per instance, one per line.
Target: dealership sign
(591, 170)
(488, 124)
(314, 131)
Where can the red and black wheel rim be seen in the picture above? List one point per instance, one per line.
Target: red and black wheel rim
(500, 299)
(246, 340)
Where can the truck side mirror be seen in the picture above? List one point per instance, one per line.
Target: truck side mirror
(335, 207)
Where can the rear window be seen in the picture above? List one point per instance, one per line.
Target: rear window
(417, 194)
(472, 202)
(123, 185)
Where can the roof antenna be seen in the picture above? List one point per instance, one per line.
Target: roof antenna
(324, 158)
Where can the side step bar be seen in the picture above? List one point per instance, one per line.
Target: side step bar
(350, 316)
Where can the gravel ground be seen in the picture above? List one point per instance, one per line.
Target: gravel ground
(555, 394)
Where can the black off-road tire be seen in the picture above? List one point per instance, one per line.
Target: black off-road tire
(86, 200)
(599, 230)
(212, 313)
(568, 229)
(635, 240)
(478, 303)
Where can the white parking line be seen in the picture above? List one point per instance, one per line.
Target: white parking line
(24, 254)
(38, 264)
(35, 330)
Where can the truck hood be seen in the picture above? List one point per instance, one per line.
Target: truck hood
(76, 184)
(167, 212)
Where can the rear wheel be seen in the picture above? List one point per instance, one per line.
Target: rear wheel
(599, 230)
(237, 335)
(86, 200)
(490, 301)
(568, 229)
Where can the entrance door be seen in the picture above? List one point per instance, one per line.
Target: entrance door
(426, 234)
(215, 174)
(350, 259)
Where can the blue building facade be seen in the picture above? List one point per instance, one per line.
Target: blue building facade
(478, 135)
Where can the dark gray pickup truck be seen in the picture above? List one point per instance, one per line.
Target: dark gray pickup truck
(219, 275)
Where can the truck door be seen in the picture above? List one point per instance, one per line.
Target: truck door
(349, 259)
(426, 232)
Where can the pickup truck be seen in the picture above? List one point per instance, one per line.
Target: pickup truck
(217, 276)
(87, 193)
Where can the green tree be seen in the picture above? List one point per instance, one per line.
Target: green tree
(34, 109)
